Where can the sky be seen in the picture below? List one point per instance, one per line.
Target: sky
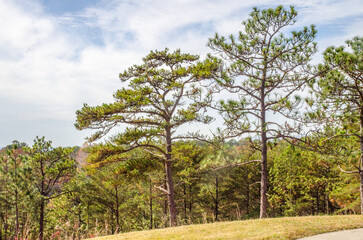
(56, 55)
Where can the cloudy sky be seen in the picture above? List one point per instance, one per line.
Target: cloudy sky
(56, 55)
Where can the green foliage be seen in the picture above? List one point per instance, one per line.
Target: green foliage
(163, 93)
(49, 166)
(266, 69)
(156, 98)
(339, 89)
(133, 178)
(339, 105)
(302, 182)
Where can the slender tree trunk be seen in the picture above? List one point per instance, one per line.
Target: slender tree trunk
(42, 203)
(248, 199)
(171, 197)
(312, 207)
(190, 201)
(263, 194)
(165, 205)
(327, 204)
(216, 201)
(151, 205)
(41, 219)
(185, 202)
(317, 202)
(16, 197)
(112, 221)
(169, 179)
(117, 215)
(16, 208)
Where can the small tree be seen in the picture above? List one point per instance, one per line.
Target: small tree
(266, 69)
(14, 180)
(50, 167)
(338, 104)
(163, 94)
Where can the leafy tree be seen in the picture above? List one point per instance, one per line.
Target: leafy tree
(231, 165)
(162, 94)
(188, 156)
(338, 103)
(50, 167)
(16, 144)
(345, 195)
(302, 181)
(266, 69)
(15, 180)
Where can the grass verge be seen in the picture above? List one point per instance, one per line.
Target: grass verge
(271, 228)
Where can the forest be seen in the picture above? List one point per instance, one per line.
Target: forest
(289, 142)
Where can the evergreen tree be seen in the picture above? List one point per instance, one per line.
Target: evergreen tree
(15, 179)
(266, 69)
(50, 167)
(163, 93)
(338, 104)
(302, 181)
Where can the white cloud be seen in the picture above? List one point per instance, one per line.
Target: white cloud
(49, 65)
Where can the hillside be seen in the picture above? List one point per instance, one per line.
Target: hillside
(273, 228)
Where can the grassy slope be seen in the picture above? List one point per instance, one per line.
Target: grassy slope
(272, 228)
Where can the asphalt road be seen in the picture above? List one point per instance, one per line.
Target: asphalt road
(356, 234)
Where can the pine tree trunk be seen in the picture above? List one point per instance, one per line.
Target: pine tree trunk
(151, 205)
(190, 201)
(248, 199)
(169, 179)
(41, 220)
(317, 202)
(171, 197)
(185, 201)
(263, 194)
(165, 204)
(216, 201)
(117, 214)
(263, 197)
(326, 198)
(16, 214)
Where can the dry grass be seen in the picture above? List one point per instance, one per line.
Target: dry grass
(272, 228)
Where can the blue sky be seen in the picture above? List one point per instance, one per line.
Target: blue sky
(60, 7)
(56, 55)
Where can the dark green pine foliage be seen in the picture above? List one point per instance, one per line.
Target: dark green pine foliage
(188, 157)
(266, 70)
(338, 103)
(15, 180)
(302, 182)
(232, 180)
(50, 168)
(163, 93)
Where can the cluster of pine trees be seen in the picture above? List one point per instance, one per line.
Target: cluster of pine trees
(290, 141)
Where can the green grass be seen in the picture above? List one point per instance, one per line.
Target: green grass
(272, 228)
